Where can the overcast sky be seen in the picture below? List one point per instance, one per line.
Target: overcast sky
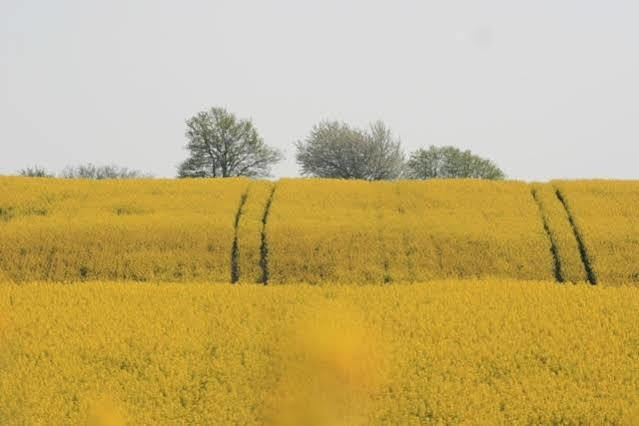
(546, 89)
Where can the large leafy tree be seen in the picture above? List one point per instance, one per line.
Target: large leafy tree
(334, 149)
(221, 145)
(450, 162)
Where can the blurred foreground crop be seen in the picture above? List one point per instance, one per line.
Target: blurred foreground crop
(335, 368)
(484, 351)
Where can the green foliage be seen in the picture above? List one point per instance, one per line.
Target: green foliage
(90, 171)
(335, 150)
(221, 145)
(450, 162)
(35, 171)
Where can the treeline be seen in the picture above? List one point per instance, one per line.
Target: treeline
(86, 171)
(220, 144)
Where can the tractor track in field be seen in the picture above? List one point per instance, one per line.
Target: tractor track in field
(235, 266)
(553, 244)
(264, 241)
(583, 252)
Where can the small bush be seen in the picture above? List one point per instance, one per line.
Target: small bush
(35, 171)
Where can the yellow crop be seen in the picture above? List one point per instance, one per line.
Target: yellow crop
(570, 265)
(355, 231)
(606, 214)
(317, 230)
(468, 352)
(69, 230)
(323, 230)
(249, 232)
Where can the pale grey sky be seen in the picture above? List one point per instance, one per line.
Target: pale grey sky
(547, 89)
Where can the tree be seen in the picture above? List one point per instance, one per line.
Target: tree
(334, 149)
(35, 171)
(90, 171)
(450, 162)
(222, 145)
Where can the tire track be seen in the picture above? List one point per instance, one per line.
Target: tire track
(559, 277)
(583, 252)
(264, 243)
(235, 267)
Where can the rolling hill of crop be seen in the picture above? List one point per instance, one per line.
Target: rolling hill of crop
(318, 230)
(404, 302)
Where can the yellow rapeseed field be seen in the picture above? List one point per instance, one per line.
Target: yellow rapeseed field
(249, 232)
(355, 231)
(149, 338)
(467, 228)
(606, 214)
(71, 229)
(570, 264)
(446, 352)
(324, 229)
(317, 230)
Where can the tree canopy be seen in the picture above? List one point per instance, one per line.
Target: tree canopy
(91, 171)
(334, 149)
(450, 162)
(221, 145)
(35, 171)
